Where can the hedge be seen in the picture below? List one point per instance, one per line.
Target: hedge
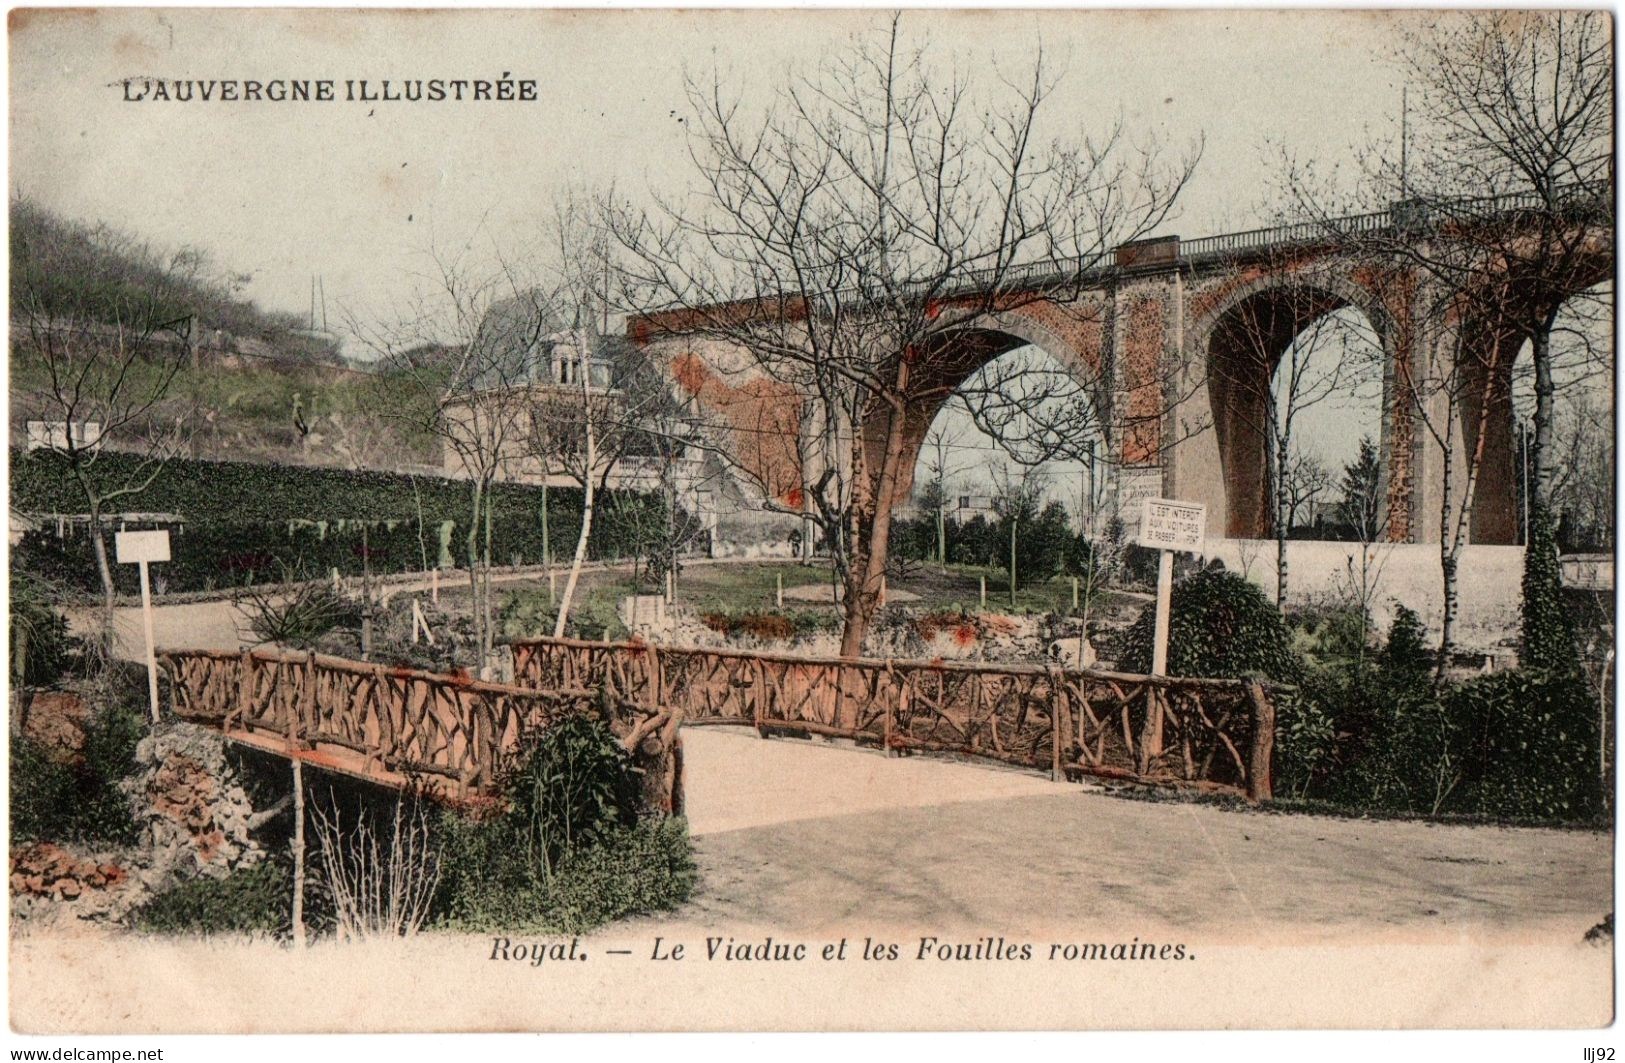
(248, 523)
(240, 492)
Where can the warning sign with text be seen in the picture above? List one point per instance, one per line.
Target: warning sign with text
(1169, 525)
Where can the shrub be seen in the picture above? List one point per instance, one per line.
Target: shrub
(1306, 745)
(576, 785)
(1220, 626)
(647, 867)
(1405, 655)
(77, 800)
(529, 614)
(250, 900)
(39, 634)
(297, 613)
(1548, 637)
(1331, 631)
(567, 852)
(1527, 743)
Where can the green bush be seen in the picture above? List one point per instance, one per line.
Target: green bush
(39, 634)
(1548, 636)
(1220, 626)
(1405, 656)
(1378, 736)
(1527, 745)
(577, 784)
(525, 614)
(568, 851)
(77, 800)
(647, 867)
(43, 789)
(1330, 632)
(253, 900)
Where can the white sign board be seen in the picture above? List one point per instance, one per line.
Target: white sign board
(1170, 525)
(137, 546)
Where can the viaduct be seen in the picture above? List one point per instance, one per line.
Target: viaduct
(1188, 335)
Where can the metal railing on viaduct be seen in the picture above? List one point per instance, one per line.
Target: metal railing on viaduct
(397, 726)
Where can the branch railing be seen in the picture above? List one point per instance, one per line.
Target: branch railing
(1215, 734)
(392, 724)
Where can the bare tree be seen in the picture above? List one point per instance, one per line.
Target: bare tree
(1018, 495)
(485, 321)
(1501, 186)
(1453, 394)
(98, 344)
(1498, 201)
(1303, 482)
(940, 469)
(847, 238)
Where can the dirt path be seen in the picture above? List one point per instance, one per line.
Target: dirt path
(217, 624)
(812, 837)
(1283, 921)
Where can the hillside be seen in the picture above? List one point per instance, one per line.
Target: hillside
(254, 383)
(92, 274)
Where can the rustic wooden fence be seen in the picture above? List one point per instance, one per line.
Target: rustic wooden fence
(1207, 733)
(394, 725)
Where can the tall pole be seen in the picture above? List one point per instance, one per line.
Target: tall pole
(152, 655)
(1165, 582)
(1404, 142)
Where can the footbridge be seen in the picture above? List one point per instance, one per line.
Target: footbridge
(457, 737)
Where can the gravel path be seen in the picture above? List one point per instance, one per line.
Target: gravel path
(811, 837)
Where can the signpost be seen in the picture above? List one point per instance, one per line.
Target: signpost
(1168, 526)
(143, 548)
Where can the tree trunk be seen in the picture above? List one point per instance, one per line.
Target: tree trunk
(473, 557)
(98, 544)
(942, 541)
(587, 484)
(297, 916)
(1283, 520)
(547, 545)
(868, 568)
(1540, 480)
(489, 624)
(1013, 526)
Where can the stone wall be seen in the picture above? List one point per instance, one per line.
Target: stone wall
(1489, 582)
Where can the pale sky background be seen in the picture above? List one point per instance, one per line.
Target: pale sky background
(357, 192)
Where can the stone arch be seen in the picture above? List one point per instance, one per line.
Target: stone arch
(965, 350)
(1238, 344)
(1493, 347)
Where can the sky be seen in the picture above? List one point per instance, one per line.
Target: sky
(358, 193)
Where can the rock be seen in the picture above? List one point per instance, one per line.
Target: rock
(193, 816)
(194, 812)
(1072, 652)
(57, 720)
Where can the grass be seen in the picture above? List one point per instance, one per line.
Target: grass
(960, 588)
(750, 587)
